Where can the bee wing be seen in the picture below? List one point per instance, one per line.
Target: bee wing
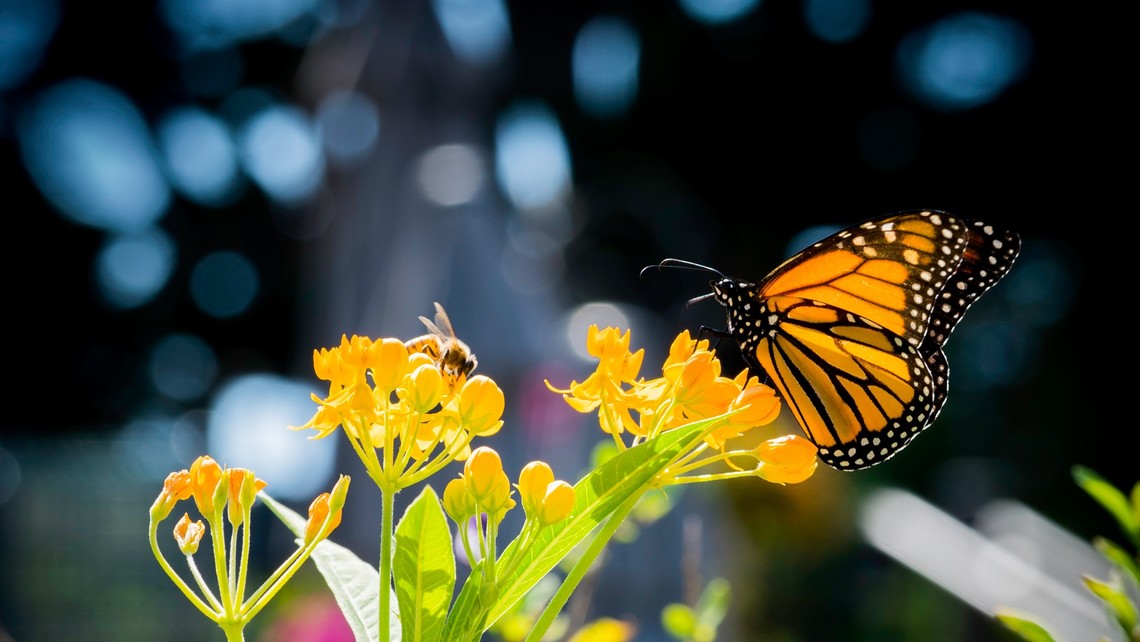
(441, 323)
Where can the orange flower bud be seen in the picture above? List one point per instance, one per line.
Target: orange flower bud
(205, 475)
(243, 486)
(786, 460)
(175, 488)
(481, 405)
(326, 507)
(188, 534)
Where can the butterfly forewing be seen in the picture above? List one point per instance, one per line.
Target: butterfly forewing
(888, 271)
(989, 253)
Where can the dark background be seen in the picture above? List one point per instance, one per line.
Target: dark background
(741, 135)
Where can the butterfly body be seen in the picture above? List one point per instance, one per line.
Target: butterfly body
(851, 329)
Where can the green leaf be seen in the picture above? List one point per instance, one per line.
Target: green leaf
(678, 621)
(1110, 497)
(1116, 599)
(354, 583)
(1028, 630)
(1118, 556)
(597, 495)
(424, 568)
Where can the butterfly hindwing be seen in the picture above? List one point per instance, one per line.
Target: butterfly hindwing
(860, 392)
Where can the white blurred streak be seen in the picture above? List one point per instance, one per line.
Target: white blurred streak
(1014, 566)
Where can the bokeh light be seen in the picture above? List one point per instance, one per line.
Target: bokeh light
(716, 12)
(532, 161)
(25, 30)
(182, 367)
(90, 153)
(249, 423)
(280, 150)
(216, 23)
(200, 156)
(478, 30)
(965, 60)
(451, 174)
(224, 284)
(600, 313)
(131, 269)
(837, 20)
(605, 64)
(348, 123)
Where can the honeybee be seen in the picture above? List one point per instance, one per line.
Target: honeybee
(453, 356)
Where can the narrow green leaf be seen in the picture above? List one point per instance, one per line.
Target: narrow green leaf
(1027, 629)
(1113, 500)
(354, 583)
(424, 568)
(1116, 599)
(1118, 556)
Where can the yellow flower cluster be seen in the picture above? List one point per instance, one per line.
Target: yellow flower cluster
(691, 387)
(403, 414)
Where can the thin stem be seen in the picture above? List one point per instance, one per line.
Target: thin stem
(218, 544)
(243, 568)
(174, 577)
(202, 586)
(387, 514)
(233, 564)
(574, 577)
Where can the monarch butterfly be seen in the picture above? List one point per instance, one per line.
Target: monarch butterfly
(851, 329)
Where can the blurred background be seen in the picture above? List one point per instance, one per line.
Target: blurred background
(204, 191)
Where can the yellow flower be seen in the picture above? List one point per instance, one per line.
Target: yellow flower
(481, 405)
(557, 502)
(602, 390)
(457, 502)
(543, 498)
(388, 362)
(188, 534)
(786, 460)
(700, 390)
(487, 483)
(423, 388)
(533, 481)
(757, 404)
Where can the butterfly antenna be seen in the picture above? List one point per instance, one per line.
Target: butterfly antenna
(680, 264)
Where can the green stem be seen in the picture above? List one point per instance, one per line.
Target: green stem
(387, 514)
(174, 577)
(574, 577)
(234, 631)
